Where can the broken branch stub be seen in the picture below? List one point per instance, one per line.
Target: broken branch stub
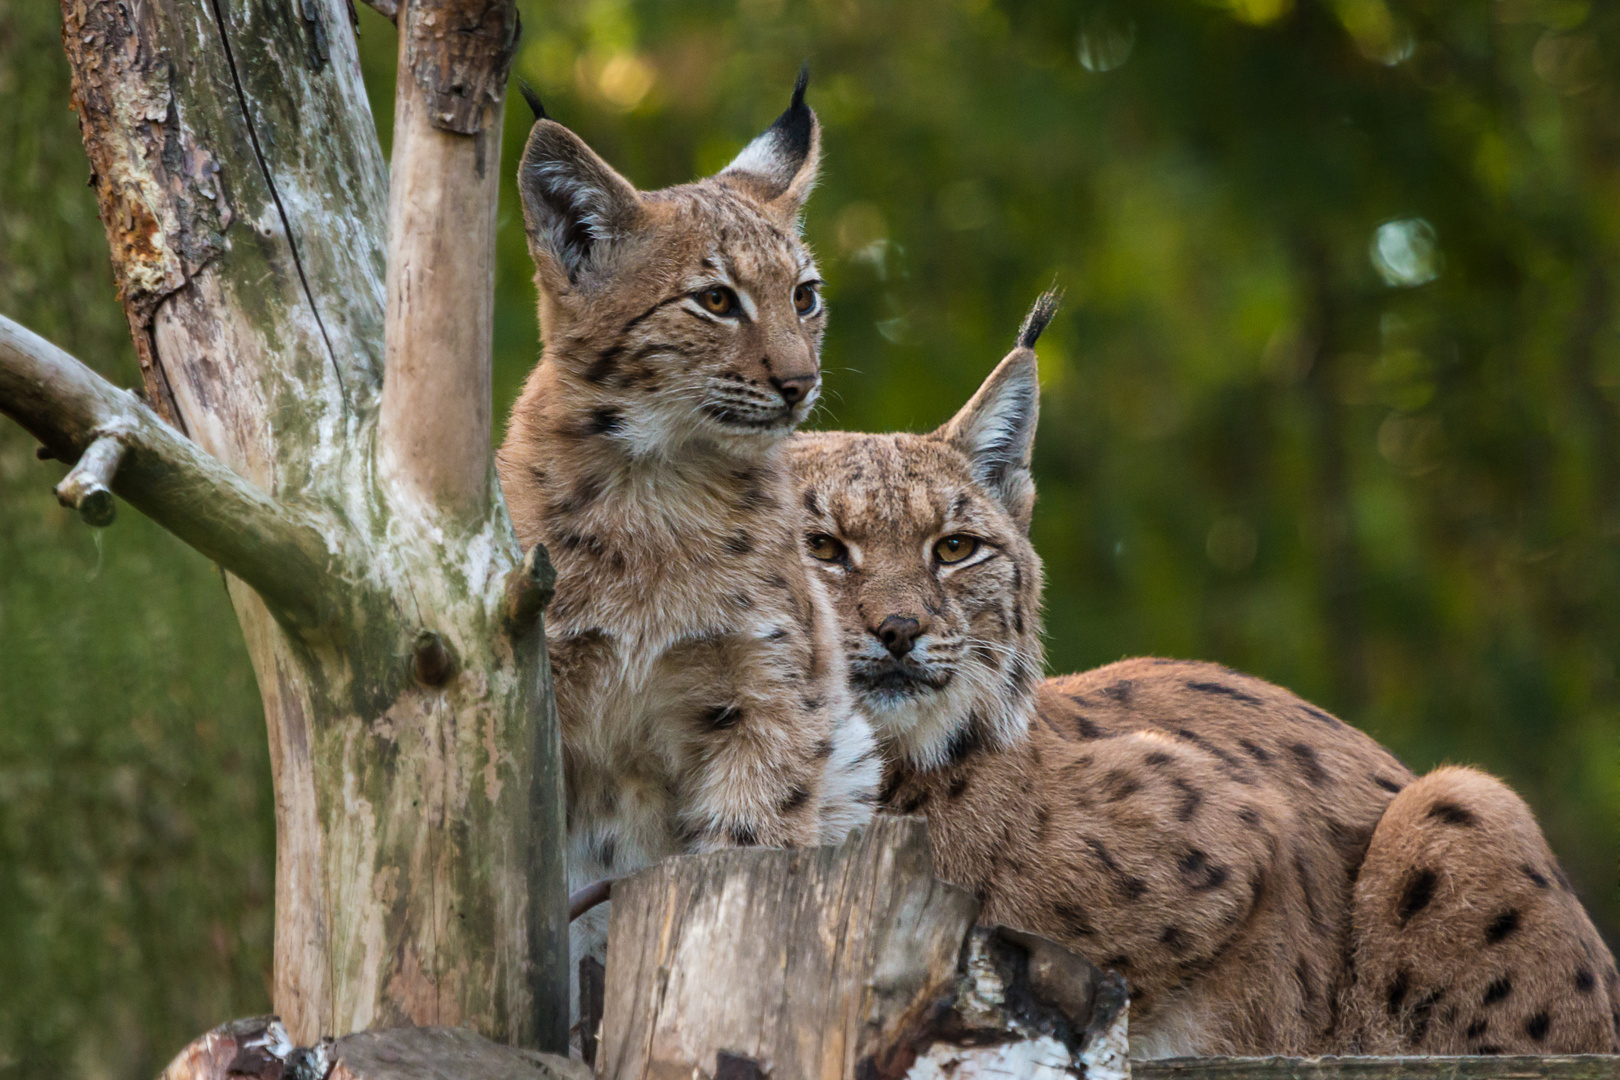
(850, 961)
(459, 52)
(87, 487)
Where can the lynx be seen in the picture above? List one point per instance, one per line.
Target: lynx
(700, 684)
(1268, 879)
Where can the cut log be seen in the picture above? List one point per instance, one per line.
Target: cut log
(849, 961)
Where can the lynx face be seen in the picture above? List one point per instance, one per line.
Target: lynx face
(922, 541)
(691, 314)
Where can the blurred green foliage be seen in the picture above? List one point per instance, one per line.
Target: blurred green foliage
(1334, 398)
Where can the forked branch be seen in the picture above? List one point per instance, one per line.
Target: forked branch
(120, 445)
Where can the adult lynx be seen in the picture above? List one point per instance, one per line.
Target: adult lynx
(1270, 880)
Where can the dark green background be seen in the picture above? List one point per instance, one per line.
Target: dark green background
(1400, 500)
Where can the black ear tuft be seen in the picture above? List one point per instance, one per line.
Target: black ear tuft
(800, 86)
(533, 99)
(779, 166)
(1046, 306)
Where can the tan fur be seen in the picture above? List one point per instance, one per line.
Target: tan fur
(1197, 829)
(700, 686)
(1468, 938)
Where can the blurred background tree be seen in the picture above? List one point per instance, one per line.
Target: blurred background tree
(1334, 398)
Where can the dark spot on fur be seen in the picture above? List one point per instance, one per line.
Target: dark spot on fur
(1249, 815)
(1476, 1029)
(915, 803)
(744, 836)
(1395, 996)
(1307, 982)
(1422, 1013)
(1387, 784)
(604, 363)
(1416, 894)
(606, 852)
(1487, 1050)
(1118, 963)
(811, 704)
(1536, 876)
(1307, 886)
(1317, 714)
(1498, 990)
(1452, 814)
(1199, 873)
(810, 503)
(1501, 926)
(603, 422)
(1309, 764)
(1119, 691)
(1174, 939)
(1255, 751)
(1222, 690)
(1075, 919)
(966, 742)
(1191, 798)
(721, 717)
(1087, 729)
(1584, 982)
(824, 749)
(958, 786)
(1234, 767)
(1537, 1026)
(739, 543)
(1158, 757)
(1132, 886)
(1119, 784)
(796, 798)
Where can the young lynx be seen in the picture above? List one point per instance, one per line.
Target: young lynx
(700, 684)
(1268, 879)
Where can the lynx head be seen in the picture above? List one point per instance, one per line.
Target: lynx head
(923, 543)
(689, 313)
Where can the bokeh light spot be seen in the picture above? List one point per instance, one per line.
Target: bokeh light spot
(1405, 252)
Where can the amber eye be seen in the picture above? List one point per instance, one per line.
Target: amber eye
(824, 547)
(954, 549)
(806, 299)
(718, 300)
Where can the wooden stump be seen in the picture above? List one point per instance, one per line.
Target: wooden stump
(259, 1049)
(852, 961)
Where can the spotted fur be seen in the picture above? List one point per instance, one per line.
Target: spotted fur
(1219, 841)
(700, 686)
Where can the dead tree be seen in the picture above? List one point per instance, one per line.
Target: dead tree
(314, 338)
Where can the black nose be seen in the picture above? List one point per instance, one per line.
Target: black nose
(793, 390)
(898, 634)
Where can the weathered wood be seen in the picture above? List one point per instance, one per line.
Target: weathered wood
(87, 487)
(414, 749)
(1578, 1067)
(259, 1049)
(841, 961)
(435, 428)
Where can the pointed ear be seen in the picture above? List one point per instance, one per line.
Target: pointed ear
(779, 167)
(996, 428)
(575, 207)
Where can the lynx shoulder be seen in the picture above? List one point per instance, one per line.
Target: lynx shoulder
(700, 686)
(1269, 879)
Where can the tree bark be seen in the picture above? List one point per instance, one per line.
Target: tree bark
(390, 616)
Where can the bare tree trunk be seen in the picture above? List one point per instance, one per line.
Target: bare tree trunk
(339, 468)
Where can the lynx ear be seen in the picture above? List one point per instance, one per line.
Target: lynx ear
(574, 205)
(779, 167)
(996, 428)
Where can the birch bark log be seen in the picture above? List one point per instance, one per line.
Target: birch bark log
(339, 468)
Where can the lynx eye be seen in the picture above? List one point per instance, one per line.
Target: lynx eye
(826, 548)
(718, 300)
(953, 549)
(806, 299)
